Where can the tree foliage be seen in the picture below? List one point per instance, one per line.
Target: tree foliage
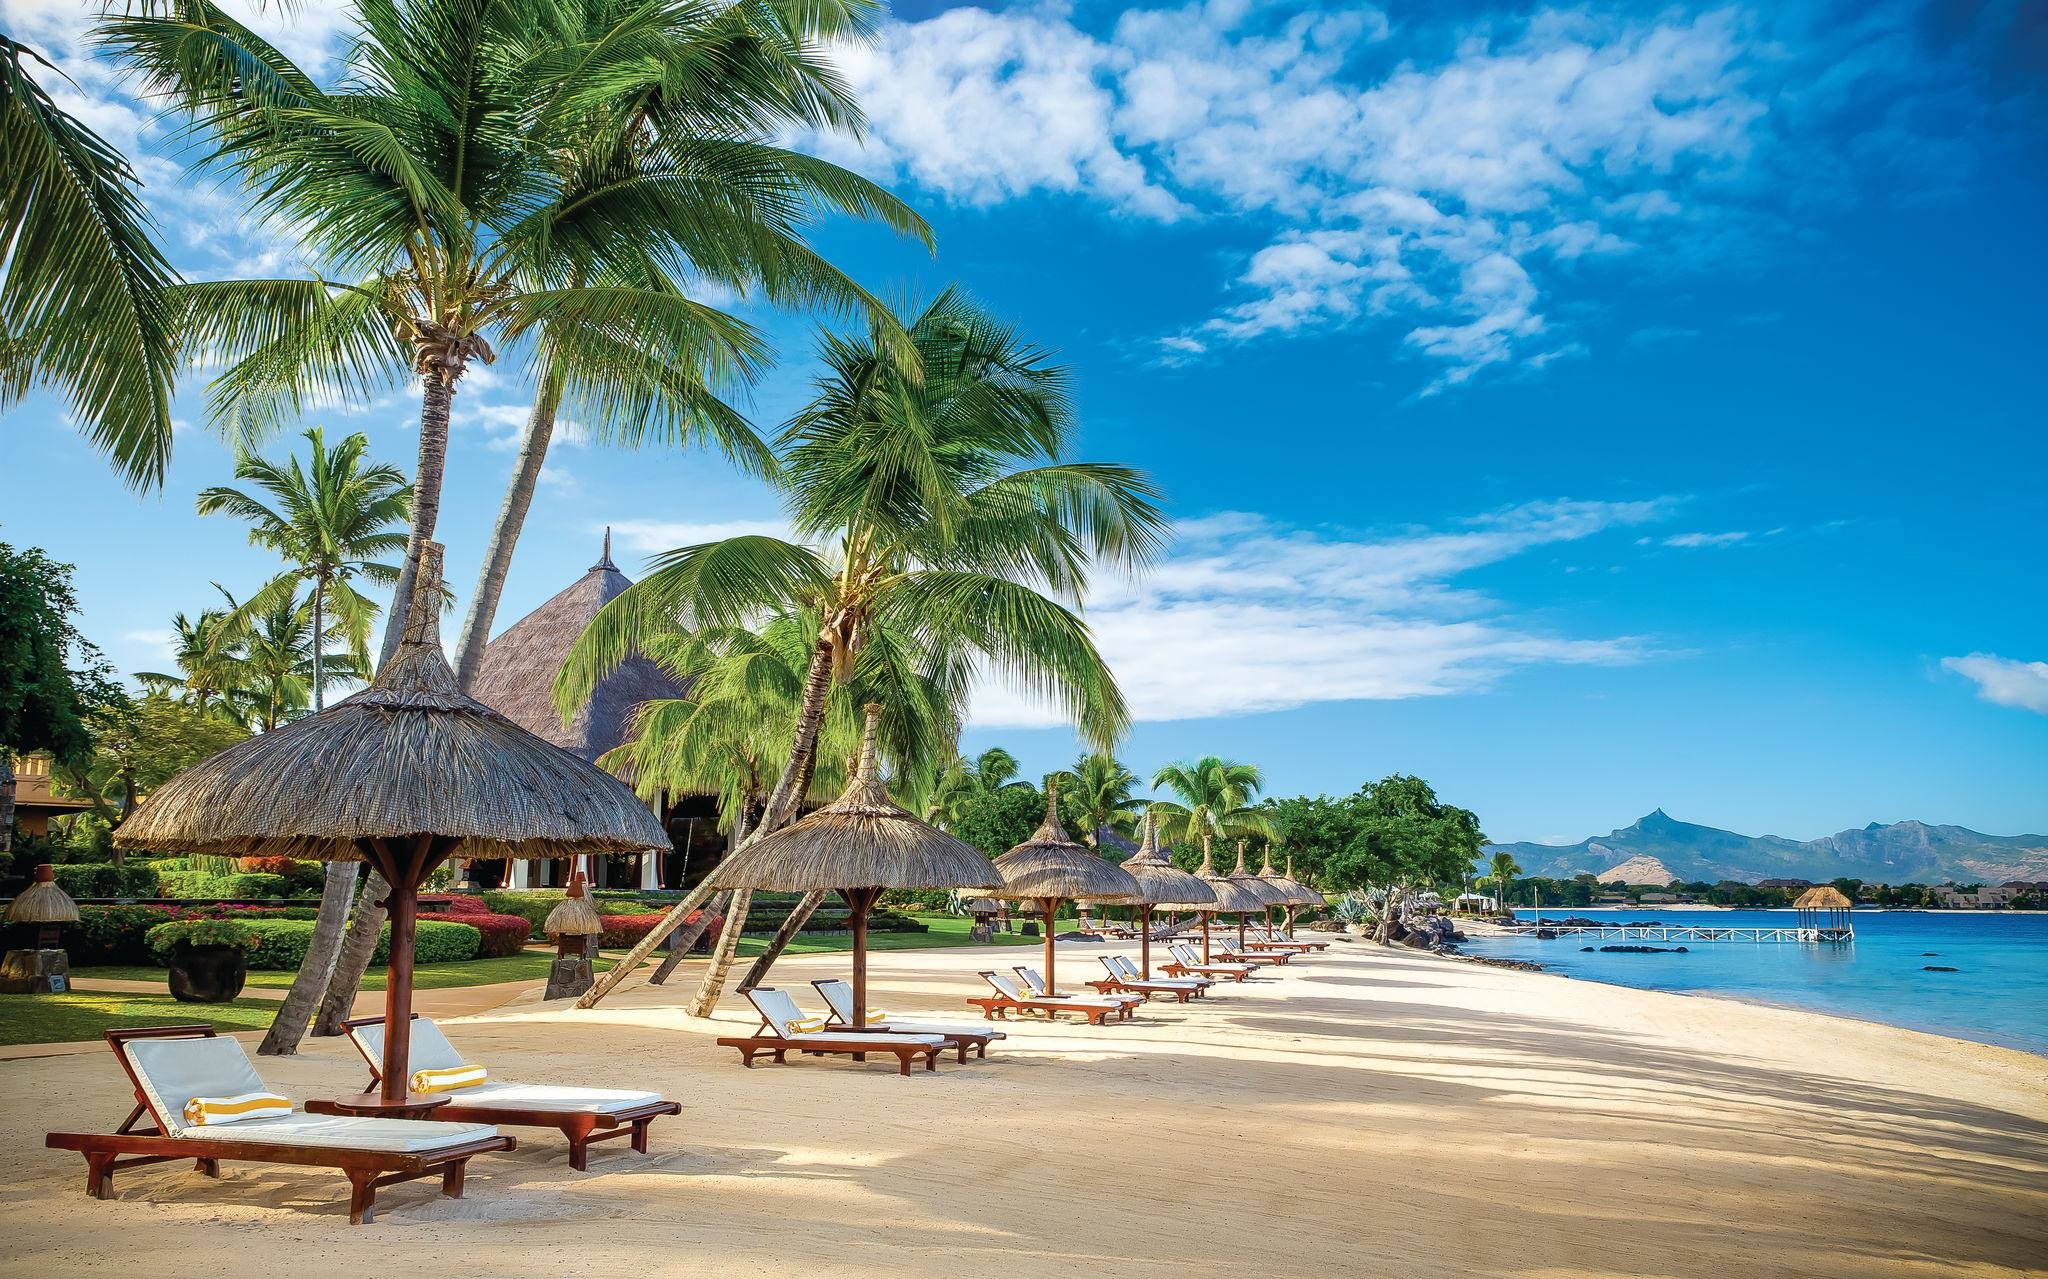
(51, 678)
(1393, 831)
(995, 821)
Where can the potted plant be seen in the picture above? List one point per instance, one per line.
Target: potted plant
(208, 958)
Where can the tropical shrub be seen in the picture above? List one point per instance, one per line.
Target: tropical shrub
(889, 921)
(202, 885)
(114, 934)
(104, 879)
(202, 932)
(502, 934)
(434, 942)
(625, 931)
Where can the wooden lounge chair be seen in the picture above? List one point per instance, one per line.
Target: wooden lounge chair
(1009, 998)
(1124, 978)
(1266, 939)
(785, 1028)
(1034, 985)
(1277, 958)
(170, 1066)
(1187, 962)
(577, 1113)
(838, 997)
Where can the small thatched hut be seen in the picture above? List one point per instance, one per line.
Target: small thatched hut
(1824, 914)
(517, 679)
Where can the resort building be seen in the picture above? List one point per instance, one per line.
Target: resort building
(517, 679)
(35, 799)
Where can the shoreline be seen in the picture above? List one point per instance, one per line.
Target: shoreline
(1507, 1125)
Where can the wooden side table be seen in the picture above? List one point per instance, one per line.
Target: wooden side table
(371, 1105)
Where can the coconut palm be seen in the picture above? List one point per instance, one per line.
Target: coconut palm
(946, 509)
(1213, 798)
(492, 175)
(1504, 868)
(965, 780)
(206, 656)
(326, 522)
(1096, 793)
(81, 282)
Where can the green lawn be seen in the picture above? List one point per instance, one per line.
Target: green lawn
(945, 930)
(527, 965)
(52, 1019)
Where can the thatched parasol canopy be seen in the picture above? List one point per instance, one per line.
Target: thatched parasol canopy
(1161, 883)
(404, 775)
(1232, 897)
(863, 839)
(407, 756)
(1824, 897)
(1268, 893)
(858, 845)
(1296, 893)
(574, 916)
(1052, 864)
(42, 902)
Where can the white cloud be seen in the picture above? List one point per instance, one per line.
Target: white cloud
(1439, 194)
(1249, 615)
(2004, 680)
(650, 537)
(1697, 541)
(160, 643)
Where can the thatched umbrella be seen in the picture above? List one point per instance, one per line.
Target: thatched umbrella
(1269, 894)
(1161, 884)
(859, 846)
(1050, 867)
(1294, 894)
(1233, 895)
(404, 775)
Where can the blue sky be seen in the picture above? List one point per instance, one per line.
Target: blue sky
(1589, 410)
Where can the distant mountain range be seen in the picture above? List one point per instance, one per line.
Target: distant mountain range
(1659, 849)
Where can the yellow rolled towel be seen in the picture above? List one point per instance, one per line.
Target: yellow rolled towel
(875, 1016)
(201, 1111)
(803, 1026)
(448, 1080)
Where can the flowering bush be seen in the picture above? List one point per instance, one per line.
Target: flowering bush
(625, 931)
(502, 934)
(202, 932)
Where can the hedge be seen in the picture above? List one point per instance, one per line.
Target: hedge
(199, 885)
(625, 931)
(104, 879)
(434, 942)
(535, 903)
(502, 934)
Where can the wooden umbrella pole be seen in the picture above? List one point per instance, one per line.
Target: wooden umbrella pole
(1206, 917)
(1145, 942)
(859, 901)
(1050, 904)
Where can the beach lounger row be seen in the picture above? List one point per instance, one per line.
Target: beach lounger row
(786, 1028)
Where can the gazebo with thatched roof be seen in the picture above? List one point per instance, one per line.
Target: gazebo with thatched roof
(1052, 867)
(1268, 893)
(1824, 915)
(1233, 896)
(859, 846)
(404, 775)
(1161, 884)
(516, 678)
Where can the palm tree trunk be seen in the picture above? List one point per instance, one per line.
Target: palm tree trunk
(791, 926)
(490, 584)
(684, 938)
(436, 398)
(319, 673)
(722, 955)
(790, 790)
(356, 948)
(315, 974)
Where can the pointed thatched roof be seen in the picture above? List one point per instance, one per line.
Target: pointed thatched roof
(1161, 883)
(407, 756)
(1231, 896)
(1825, 897)
(1052, 864)
(42, 902)
(1268, 893)
(860, 840)
(517, 675)
(1295, 892)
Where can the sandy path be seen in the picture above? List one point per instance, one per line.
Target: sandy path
(1368, 1112)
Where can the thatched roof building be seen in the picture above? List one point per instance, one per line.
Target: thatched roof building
(1825, 897)
(517, 676)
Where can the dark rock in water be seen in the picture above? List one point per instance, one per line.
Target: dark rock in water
(1680, 950)
(1585, 950)
(1640, 950)
(1937, 968)
(1930, 954)
(1546, 934)
(1519, 965)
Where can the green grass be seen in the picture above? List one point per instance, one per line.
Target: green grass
(945, 930)
(527, 965)
(56, 1019)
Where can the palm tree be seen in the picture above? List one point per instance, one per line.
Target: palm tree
(326, 523)
(1213, 799)
(474, 185)
(1504, 868)
(949, 512)
(965, 780)
(1096, 792)
(206, 656)
(81, 283)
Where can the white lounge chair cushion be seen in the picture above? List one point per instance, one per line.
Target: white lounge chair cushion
(430, 1048)
(901, 1029)
(780, 1012)
(342, 1132)
(869, 1037)
(553, 1099)
(174, 1071)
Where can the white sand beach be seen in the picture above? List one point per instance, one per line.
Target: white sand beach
(1366, 1112)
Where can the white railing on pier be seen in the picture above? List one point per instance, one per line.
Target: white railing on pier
(1682, 932)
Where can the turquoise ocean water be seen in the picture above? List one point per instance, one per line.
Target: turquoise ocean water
(1999, 996)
